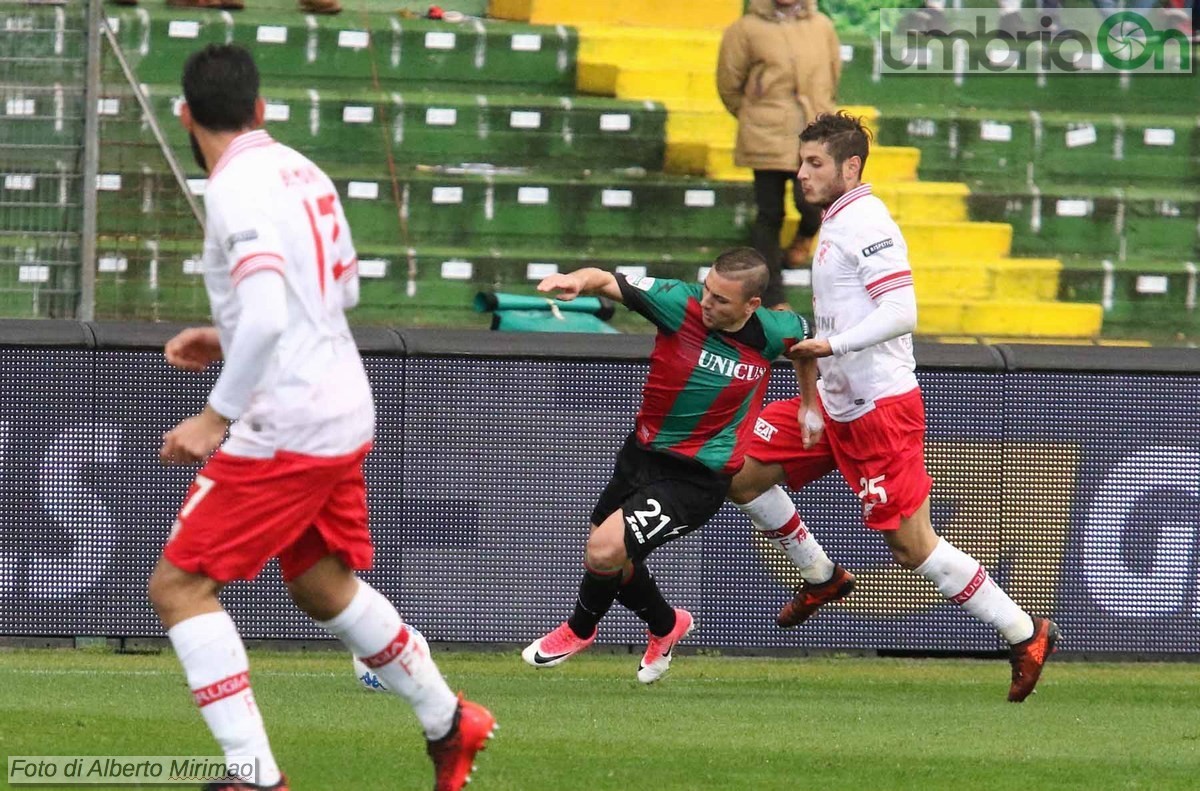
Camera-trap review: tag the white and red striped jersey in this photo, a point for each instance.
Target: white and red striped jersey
(861, 257)
(271, 209)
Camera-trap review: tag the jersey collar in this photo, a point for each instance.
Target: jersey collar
(243, 142)
(847, 198)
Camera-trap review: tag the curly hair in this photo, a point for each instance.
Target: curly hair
(843, 135)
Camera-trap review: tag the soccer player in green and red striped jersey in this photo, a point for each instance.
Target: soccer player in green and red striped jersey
(708, 375)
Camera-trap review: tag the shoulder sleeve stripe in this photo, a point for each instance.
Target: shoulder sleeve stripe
(887, 278)
(252, 269)
(253, 258)
(891, 285)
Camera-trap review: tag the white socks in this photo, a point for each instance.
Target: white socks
(373, 630)
(774, 515)
(961, 579)
(957, 576)
(214, 660)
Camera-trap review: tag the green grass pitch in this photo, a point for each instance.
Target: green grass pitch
(719, 723)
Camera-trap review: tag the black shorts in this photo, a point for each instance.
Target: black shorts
(662, 497)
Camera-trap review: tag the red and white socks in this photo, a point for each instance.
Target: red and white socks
(962, 580)
(774, 516)
(214, 660)
(373, 630)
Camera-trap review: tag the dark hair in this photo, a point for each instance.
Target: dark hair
(747, 265)
(220, 85)
(843, 135)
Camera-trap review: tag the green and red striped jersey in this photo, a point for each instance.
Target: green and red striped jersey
(705, 387)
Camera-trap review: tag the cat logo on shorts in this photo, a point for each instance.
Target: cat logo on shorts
(764, 430)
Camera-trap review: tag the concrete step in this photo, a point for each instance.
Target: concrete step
(885, 164)
(698, 121)
(688, 14)
(948, 279)
(1009, 319)
(650, 47)
(914, 200)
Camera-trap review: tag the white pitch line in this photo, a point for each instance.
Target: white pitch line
(99, 672)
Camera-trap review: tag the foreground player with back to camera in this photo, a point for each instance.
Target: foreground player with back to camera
(280, 270)
(874, 417)
(708, 374)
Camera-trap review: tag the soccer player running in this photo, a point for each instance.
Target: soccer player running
(280, 270)
(708, 374)
(874, 418)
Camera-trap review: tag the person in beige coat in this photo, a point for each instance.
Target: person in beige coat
(778, 68)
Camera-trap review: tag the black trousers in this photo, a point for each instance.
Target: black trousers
(769, 189)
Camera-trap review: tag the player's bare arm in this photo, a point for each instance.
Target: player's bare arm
(195, 438)
(194, 348)
(810, 349)
(812, 422)
(589, 281)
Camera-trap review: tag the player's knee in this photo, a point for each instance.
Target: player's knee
(907, 558)
(158, 591)
(742, 490)
(314, 607)
(168, 593)
(320, 604)
(605, 553)
(912, 553)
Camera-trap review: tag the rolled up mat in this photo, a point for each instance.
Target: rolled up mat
(490, 301)
(546, 321)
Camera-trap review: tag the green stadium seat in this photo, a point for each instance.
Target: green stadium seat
(1136, 294)
(981, 146)
(1087, 220)
(380, 50)
(863, 82)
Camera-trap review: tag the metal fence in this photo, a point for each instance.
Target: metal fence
(43, 65)
(91, 201)
(148, 223)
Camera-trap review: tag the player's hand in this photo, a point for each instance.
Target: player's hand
(567, 286)
(813, 347)
(194, 439)
(812, 426)
(193, 349)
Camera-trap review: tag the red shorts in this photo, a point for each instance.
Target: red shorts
(881, 454)
(241, 512)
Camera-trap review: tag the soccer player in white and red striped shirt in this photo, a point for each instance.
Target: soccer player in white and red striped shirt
(280, 270)
(870, 422)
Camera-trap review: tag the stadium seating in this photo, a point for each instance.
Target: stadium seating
(486, 153)
(967, 283)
